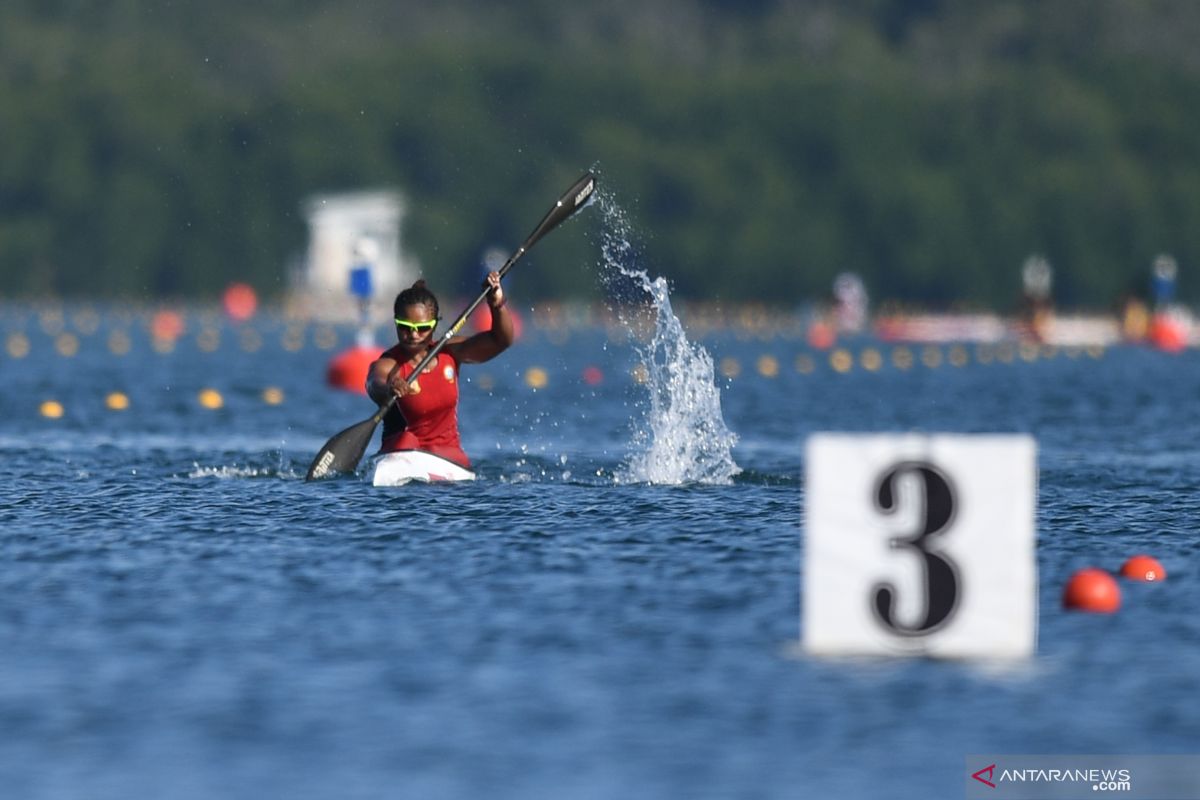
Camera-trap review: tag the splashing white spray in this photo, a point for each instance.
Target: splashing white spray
(683, 438)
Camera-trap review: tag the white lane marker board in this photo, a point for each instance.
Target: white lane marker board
(920, 545)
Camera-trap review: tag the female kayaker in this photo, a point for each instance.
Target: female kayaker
(425, 415)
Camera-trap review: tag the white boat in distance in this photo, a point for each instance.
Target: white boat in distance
(405, 466)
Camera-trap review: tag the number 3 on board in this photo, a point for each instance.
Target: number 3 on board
(920, 545)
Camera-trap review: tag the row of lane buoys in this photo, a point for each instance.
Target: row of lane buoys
(1096, 590)
(348, 370)
(207, 398)
(167, 331)
(904, 357)
(173, 326)
(533, 377)
(1169, 329)
(120, 341)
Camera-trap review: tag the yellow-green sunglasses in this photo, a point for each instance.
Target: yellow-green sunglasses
(417, 326)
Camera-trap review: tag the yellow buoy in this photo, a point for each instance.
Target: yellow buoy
(871, 359)
(730, 367)
(52, 321)
(293, 340)
(272, 395)
(768, 366)
(841, 360)
(87, 321)
(326, 338)
(210, 398)
(536, 378)
(18, 345)
(119, 343)
(67, 344)
(51, 409)
(209, 340)
(117, 401)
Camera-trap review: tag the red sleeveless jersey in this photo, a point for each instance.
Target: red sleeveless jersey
(426, 420)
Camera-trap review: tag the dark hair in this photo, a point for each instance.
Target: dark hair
(416, 295)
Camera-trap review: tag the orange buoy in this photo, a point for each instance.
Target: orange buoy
(348, 369)
(1143, 568)
(1092, 590)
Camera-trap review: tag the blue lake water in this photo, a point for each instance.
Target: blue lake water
(182, 616)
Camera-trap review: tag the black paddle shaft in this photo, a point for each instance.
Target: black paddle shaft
(343, 452)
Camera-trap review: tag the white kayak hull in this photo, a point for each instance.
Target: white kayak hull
(405, 466)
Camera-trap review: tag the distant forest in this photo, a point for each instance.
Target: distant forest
(154, 149)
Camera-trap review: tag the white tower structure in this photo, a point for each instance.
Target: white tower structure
(343, 229)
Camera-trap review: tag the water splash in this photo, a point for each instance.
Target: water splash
(231, 472)
(683, 437)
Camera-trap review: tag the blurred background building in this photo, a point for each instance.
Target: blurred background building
(354, 264)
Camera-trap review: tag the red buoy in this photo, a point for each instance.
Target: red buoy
(1092, 590)
(1168, 333)
(821, 335)
(1143, 568)
(240, 301)
(348, 369)
(167, 325)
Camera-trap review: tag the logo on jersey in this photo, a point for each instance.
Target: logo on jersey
(448, 371)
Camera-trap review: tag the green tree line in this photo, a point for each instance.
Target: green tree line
(156, 149)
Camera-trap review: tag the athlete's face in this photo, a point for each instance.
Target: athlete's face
(415, 327)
